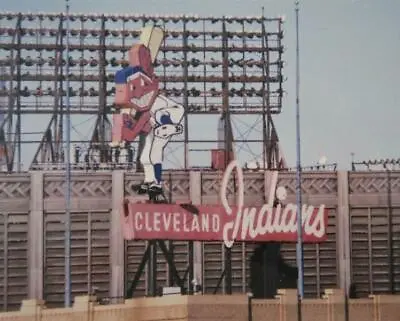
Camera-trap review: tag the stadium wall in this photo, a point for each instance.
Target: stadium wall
(332, 307)
(363, 246)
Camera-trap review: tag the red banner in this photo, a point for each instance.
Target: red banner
(225, 222)
(213, 223)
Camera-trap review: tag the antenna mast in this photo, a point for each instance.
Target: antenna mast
(299, 245)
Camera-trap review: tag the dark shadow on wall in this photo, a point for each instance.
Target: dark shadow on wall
(269, 271)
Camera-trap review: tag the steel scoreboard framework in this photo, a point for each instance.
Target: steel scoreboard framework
(230, 67)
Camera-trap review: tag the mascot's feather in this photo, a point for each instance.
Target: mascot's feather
(152, 37)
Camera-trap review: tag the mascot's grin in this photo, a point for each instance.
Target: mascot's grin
(143, 90)
(144, 101)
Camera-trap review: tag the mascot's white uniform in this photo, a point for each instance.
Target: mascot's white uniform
(166, 118)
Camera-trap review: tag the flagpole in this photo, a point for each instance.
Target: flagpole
(299, 245)
(67, 298)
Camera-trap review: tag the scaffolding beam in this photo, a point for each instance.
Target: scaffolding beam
(200, 58)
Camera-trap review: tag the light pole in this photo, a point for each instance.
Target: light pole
(299, 245)
(67, 252)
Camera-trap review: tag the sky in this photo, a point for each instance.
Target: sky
(349, 67)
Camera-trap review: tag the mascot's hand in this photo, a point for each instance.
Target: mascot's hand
(153, 122)
(166, 131)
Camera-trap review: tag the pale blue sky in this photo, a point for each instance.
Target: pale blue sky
(350, 52)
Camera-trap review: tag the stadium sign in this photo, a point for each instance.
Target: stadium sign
(224, 222)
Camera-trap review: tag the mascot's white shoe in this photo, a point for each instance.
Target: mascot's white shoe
(151, 188)
(155, 188)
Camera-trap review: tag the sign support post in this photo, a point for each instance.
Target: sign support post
(299, 245)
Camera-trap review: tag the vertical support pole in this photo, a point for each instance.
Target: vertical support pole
(89, 253)
(58, 115)
(185, 93)
(249, 307)
(228, 139)
(204, 66)
(244, 68)
(152, 269)
(82, 65)
(390, 234)
(171, 247)
(280, 64)
(18, 124)
(228, 270)
(117, 254)
(35, 238)
(102, 92)
(299, 245)
(370, 253)
(164, 66)
(10, 111)
(195, 197)
(13, 98)
(343, 231)
(5, 261)
(228, 144)
(67, 299)
(141, 143)
(267, 159)
(191, 279)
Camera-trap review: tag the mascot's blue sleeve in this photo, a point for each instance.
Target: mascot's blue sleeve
(121, 76)
(165, 119)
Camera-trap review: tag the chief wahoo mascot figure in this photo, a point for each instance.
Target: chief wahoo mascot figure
(143, 111)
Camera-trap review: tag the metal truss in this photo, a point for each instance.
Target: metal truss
(224, 66)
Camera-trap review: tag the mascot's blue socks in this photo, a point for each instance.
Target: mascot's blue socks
(158, 172)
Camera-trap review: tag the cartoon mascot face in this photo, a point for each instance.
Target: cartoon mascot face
(137, 85)
(143, 91)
